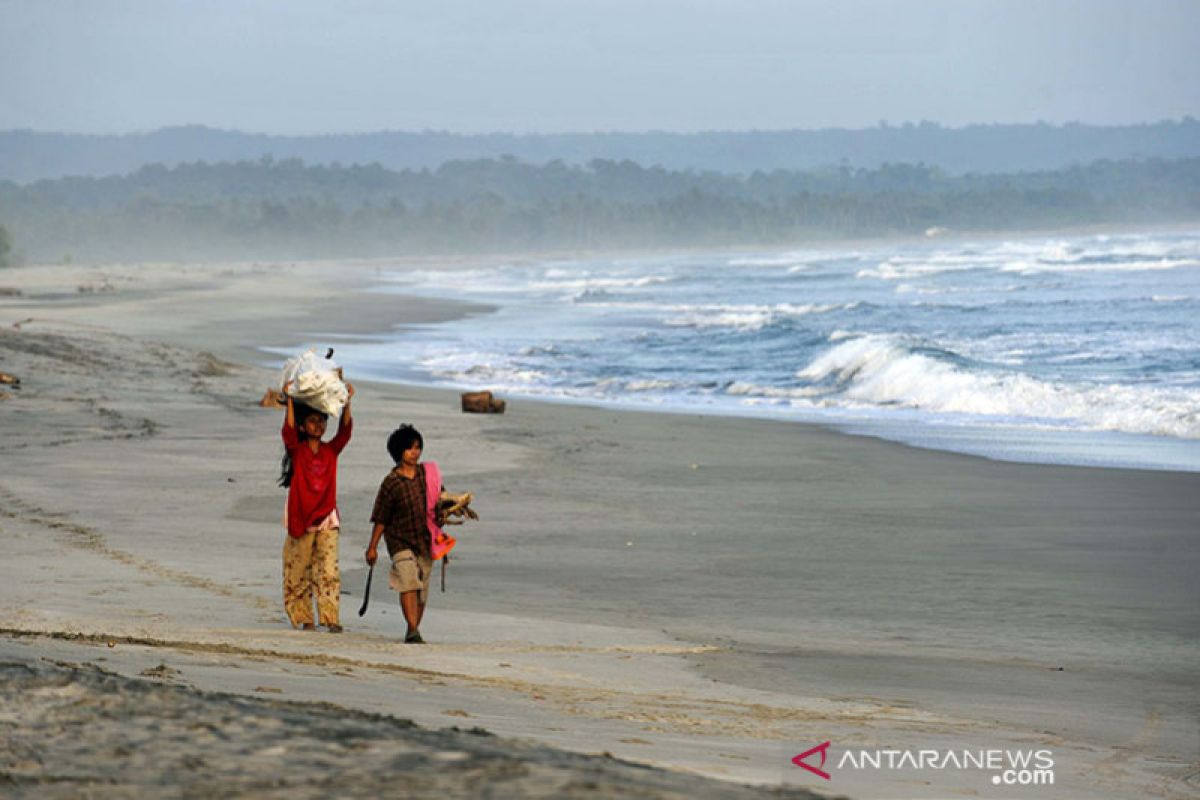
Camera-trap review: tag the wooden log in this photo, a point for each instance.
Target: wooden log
(481, 403)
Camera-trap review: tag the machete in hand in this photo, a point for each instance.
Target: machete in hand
(367, 591)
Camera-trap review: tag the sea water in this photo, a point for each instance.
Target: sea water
(1055, 349)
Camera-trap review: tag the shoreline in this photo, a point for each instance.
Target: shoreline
(616, 550)
(1025, 442)
(857, 428)
(433, 260)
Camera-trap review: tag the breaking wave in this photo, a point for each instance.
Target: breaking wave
(1049, 335)
(748, 317)
(885, 371)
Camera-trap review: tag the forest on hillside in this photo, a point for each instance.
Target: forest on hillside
(270, 208)
(27, 156)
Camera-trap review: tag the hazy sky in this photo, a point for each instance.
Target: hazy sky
(313, 66)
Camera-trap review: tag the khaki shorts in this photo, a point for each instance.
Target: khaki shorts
(411, 573)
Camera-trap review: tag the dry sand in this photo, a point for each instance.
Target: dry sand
(712, 596)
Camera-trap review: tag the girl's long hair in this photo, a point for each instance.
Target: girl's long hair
(287, 469)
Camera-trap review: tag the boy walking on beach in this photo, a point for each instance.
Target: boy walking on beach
(404, 515)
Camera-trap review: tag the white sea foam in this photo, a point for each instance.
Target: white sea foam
(454, 360)
(747, 317)
(908, 288)
(895, 269)
(650, 385)
(585, 283)
(508, 280)
(1035, 267)
(766, 261)
(541, 349)
(490, 374)
(753, 390)
(475, 368)
(794, 260)
(1096, 254)
(884, 371)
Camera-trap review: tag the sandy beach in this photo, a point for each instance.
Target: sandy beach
(707, 596)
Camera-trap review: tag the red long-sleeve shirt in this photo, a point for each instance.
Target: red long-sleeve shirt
(312, 495)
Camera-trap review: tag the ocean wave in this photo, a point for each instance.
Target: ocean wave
(515, 279)
(747, 317)
(797, 260)
(541, 350)
(889, 371)
(593, 296)
(908, 288)
(1099, 247)
(490, 374)
(895, 269)
(1023, 267)
(649, 385)
(585, 283)
(1095, 254)
(755, 391)
(616, 386)
(765, 261)
(476, 367)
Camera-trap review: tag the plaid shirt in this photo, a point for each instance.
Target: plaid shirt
(400, 508)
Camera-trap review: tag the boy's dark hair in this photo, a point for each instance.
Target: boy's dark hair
(301, 413)
(403, 438)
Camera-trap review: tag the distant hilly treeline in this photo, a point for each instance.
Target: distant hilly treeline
(284, 208)
(27, 156)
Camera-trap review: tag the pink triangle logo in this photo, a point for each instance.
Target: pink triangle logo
(799, 760)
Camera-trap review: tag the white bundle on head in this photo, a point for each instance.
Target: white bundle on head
(316, 382)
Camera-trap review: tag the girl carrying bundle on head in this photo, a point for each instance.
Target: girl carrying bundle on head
(310, 551)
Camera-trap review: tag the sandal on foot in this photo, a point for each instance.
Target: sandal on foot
(334, 628)
(414, 638)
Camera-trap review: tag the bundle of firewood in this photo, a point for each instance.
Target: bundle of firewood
(454, 509)
(273, 398)
(8, 380)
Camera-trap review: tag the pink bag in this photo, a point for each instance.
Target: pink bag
(442, 542)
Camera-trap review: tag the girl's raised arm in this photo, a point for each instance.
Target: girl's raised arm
(346, 408)
(291, 438)
(342, 437)
(291, 410)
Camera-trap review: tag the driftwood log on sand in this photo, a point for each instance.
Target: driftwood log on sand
(481, 403)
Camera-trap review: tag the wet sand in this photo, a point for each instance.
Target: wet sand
(160, 738)
(710, 595)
